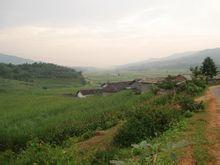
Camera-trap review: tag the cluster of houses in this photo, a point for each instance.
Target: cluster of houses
(138, 85)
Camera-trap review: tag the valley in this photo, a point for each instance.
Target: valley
(43, 121)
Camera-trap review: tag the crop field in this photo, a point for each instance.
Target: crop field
(42, 122)
(105, 76)
(27, 112)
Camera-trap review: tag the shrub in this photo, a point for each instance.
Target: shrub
(102, 157)
(162, 100)
(200, 82)
(38, 152)
(154, 89)
(87, 135)
(196, 86)
(193, 89)
(188, 104)
(167, 85)
(142, 125)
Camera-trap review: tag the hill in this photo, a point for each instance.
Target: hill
(13, 59)
(39, 70)
(175, 61)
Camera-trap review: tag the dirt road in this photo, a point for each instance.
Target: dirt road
(213, 128)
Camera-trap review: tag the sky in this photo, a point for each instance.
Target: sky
(103, 33)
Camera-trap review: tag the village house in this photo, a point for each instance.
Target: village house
(141, 86)
(155, 80)
(179, 79)
(116, 86)
(88, 92)
(138, 85)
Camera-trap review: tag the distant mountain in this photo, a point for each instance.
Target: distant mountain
(87, 68)
(175, 61)
(13, 59)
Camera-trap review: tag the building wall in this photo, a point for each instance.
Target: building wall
(80, 95)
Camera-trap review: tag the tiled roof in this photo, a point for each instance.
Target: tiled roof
(90, 91)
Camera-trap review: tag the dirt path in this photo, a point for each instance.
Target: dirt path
(212, 97)
(100, 141)
(213, 128)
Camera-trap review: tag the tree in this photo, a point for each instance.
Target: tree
(196, 72)
(208, 68)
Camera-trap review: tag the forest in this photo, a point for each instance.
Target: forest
(28, 72)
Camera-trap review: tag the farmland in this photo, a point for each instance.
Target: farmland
(29, 111)
(43, 122)
(42, 116)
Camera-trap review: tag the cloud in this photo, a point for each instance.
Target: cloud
(80, 32)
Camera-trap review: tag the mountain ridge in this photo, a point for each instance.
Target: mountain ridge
(178, 60)
(5, 58)
(182, 60)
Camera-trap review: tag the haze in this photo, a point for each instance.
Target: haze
(106, 32)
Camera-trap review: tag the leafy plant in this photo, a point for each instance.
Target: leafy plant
(145, 124)
(188, 104)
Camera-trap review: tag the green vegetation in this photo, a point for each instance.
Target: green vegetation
(147, 121)
(28, 72)
(41, 122)
(52, 117)
(164, 149)
(208, 68)
(114, 76)
(207, 71)
(200, 151)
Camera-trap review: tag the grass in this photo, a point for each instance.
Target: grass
(200, 148)
(45, 126)
(168, 143)
(172, 147)
(28, 111)
(105, 76)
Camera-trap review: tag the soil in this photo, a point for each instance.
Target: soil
(212, 97)
(213, 128)
(188, 157)
(100, 141)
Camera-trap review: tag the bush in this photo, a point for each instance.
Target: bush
(167, 85)
(200, 83)
(38, 152)
(193, 89)
(143, 125)
(154, 89)
(162, 100)
(196, 87)
(102, 157)
(87, 135)
(188, 104)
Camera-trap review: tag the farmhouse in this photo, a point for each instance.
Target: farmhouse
(141, 86)
(88, 92)
(116, 86)
(151, 80)
(179, 79)
(138, 85)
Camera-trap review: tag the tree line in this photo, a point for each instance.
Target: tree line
(27, 72)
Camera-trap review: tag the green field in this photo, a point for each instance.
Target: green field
(29, 111)
(114, 76)
(42, 122)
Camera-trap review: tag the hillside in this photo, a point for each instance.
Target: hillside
(13, 59)
(38, 70)
(175, 61)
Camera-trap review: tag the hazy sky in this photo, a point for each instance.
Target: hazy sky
(106, 32)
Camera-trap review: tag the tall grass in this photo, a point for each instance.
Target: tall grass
(48, 115)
